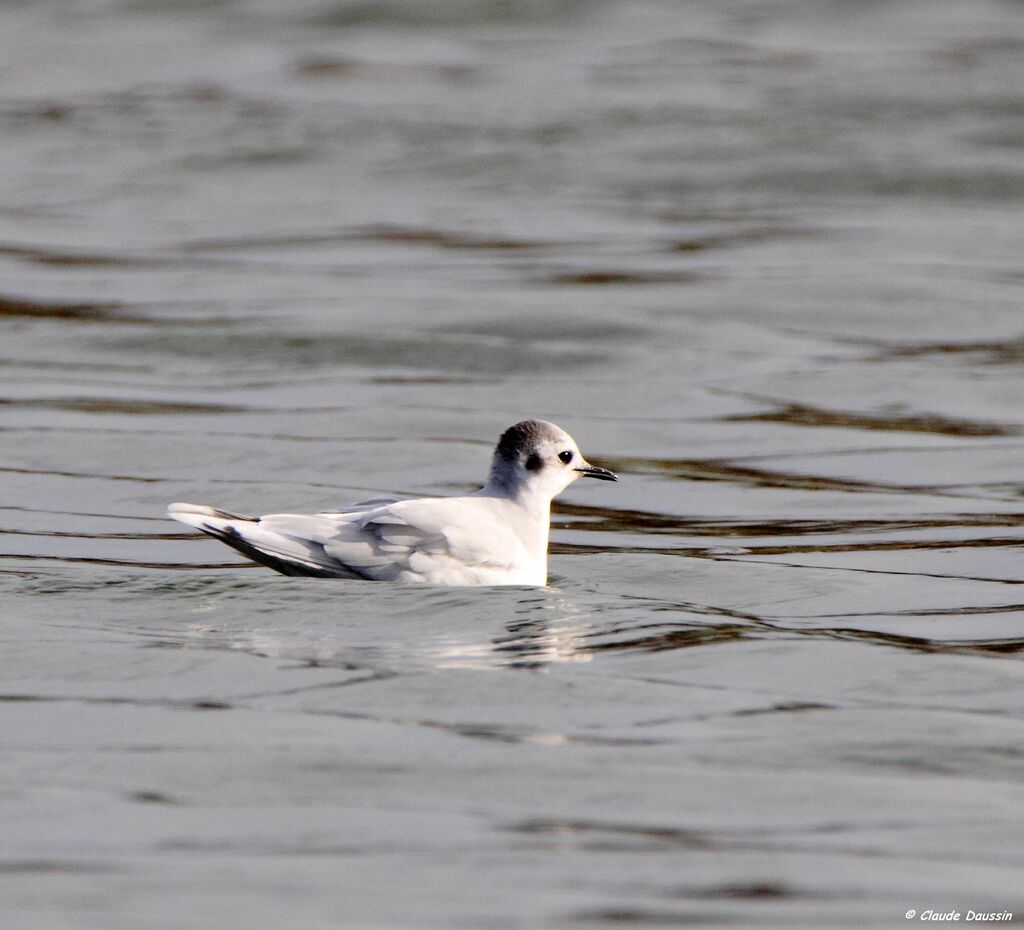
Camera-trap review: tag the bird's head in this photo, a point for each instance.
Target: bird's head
(540, 459)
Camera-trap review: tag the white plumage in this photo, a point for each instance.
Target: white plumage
(497, 536)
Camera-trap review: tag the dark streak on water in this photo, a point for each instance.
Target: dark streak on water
(891, 421)
(762, 259)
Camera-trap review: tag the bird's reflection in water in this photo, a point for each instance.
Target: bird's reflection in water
(547, 630)
(526, 628)
(545, 627)
(539, 642)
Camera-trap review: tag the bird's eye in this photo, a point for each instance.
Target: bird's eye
(565, 457)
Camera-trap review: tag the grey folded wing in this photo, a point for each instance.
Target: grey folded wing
(445, 541)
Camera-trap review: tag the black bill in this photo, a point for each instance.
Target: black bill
(592, 471)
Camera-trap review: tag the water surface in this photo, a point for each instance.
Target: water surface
(763, 259)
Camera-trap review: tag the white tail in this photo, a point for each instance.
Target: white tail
(285, 553)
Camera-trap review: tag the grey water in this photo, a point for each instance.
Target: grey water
(762, 258)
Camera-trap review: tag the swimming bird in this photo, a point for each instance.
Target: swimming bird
(496, 536)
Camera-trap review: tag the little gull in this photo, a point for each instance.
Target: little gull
(497, 536)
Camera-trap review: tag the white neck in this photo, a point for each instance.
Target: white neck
(510, 486)
(506, 482)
